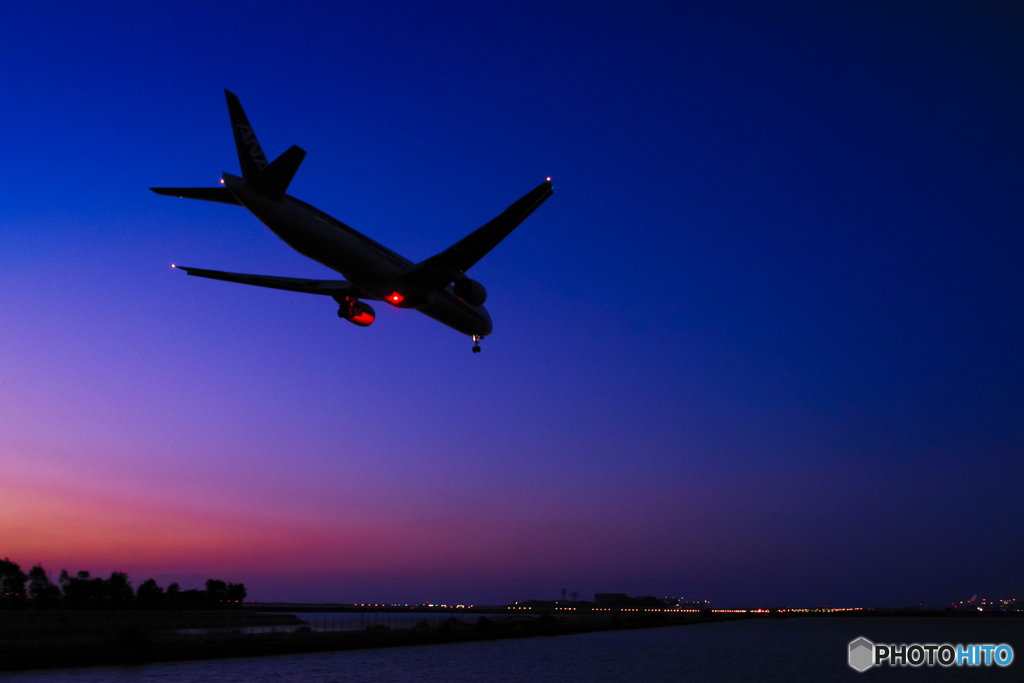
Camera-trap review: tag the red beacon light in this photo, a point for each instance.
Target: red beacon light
(396, 298)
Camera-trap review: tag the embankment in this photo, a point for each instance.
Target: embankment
(131, 642)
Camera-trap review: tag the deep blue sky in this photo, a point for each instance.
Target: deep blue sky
(762, 345)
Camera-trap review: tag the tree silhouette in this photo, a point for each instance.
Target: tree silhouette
(84, 591)
(44, 594)
(149, 595)
(216, 592)
(173, 597)
(81, 591)
(117, 590)
(236, 592)
(12, 584)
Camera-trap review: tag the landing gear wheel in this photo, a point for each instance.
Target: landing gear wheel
(476, 349)
(476, 343)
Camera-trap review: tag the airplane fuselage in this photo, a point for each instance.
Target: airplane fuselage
(371, 268)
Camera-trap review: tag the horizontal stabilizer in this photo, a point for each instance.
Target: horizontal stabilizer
(273, 181)
(209, 194)
(440, 270)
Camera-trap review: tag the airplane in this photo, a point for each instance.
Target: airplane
(437, 287)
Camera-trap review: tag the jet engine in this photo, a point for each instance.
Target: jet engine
(470, 291)
(357, 312)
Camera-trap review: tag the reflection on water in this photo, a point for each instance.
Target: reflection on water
(805, 649)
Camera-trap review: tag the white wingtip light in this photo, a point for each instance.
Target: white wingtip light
(549, 179)
(173, 266)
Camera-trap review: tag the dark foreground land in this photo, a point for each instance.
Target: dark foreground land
(84, 639)
(56, 639)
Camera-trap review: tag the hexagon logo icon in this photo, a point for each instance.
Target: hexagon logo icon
(862, 654)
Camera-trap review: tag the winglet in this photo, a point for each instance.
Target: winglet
(250, 154)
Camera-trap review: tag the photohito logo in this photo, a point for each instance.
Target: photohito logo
(863, 654)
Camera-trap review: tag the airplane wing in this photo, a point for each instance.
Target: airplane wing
(438, 271)
(291, 284)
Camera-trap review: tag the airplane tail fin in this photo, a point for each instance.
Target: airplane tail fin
(271, 179)
(250, 154)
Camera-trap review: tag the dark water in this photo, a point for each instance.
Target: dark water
(805, 649)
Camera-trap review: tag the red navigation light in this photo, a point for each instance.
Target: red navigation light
(549, 180)
(396, 298)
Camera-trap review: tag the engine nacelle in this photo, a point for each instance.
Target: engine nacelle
(357, 312)
(470, 291)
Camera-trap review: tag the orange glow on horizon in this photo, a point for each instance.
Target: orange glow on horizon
(78, 525)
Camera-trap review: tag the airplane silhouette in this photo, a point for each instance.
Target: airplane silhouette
(437, 287)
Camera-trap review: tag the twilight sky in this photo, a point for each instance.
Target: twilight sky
(763, 345)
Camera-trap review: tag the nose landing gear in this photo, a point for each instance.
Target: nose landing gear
(476, 343)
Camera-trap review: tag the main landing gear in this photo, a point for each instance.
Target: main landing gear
(476, 343)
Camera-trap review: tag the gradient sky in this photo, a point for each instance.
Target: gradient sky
(763, 345)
